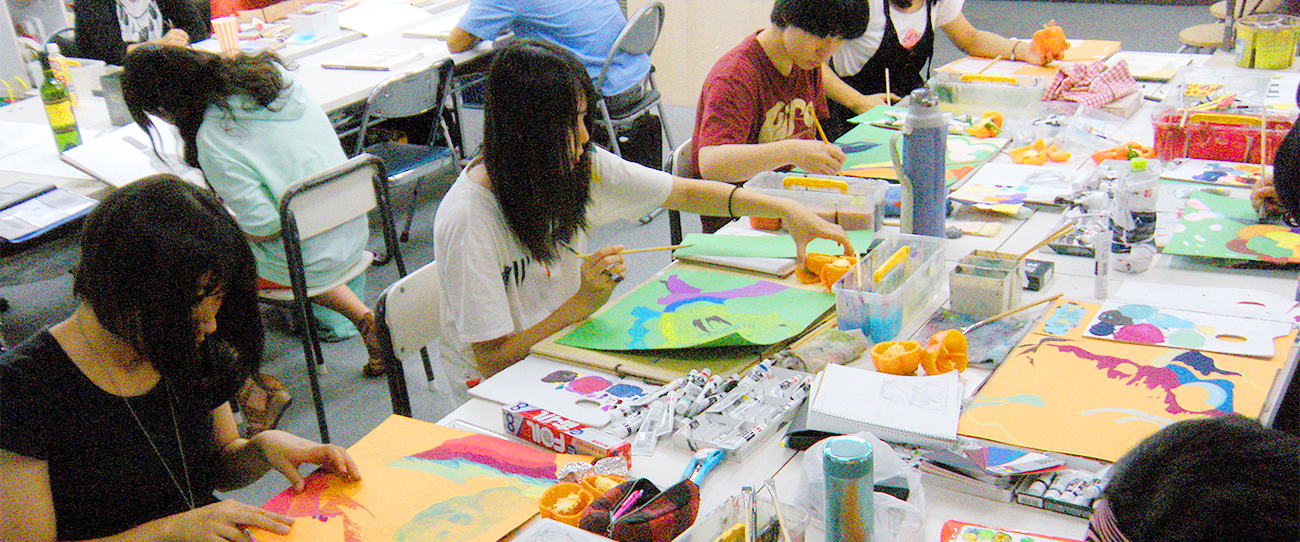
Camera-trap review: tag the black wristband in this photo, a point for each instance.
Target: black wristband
(730, 196)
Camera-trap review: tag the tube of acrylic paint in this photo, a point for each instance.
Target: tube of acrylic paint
(1101, 263)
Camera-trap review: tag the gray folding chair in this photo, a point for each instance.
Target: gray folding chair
(310, 207)
(680, 164)
(407, 314)
(407, 95)
(638, 37)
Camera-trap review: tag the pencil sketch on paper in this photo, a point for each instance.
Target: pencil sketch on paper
(549, 530)
(916, 393)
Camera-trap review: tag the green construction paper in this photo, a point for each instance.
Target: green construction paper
(965, 153)
(691, 309)
(764, 246)
(1216, 226)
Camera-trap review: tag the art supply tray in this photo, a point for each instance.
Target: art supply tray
(852, 202)
(904, 291)
(765, 401)
(1234, 137)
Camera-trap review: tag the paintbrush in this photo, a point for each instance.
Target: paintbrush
(995, 60)
(1002, 315)
(820, 132)
(1049, 239)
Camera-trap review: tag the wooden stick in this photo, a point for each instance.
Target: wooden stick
(995, 60)
(636, 250)
(888, 100)
(1002, 315)
(1049, 239)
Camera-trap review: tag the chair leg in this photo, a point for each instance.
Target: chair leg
(410, 214)
(428, 367)
(313, 356)
(663, 124)
(675, 227)
(609, 128)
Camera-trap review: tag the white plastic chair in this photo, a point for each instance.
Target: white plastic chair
(407, 314)
(312, 206)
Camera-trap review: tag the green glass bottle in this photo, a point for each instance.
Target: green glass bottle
(58, 107)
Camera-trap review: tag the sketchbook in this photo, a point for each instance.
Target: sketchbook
(41, 213)
(920, 410)
(126, 154)
(372, 59)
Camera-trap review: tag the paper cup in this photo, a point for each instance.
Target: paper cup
(227, 31)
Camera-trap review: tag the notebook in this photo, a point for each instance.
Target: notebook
(124, 155)
(920, 410)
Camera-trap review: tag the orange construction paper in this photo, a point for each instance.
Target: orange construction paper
(421, 481)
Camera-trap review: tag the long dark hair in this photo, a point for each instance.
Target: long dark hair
(150, 253)
(179, 84)
(533, 92)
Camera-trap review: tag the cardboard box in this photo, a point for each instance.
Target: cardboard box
(559, 434)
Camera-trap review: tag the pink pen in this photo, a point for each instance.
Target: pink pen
(626, 506)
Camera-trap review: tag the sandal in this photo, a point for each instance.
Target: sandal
(370, 334)
(263, 399)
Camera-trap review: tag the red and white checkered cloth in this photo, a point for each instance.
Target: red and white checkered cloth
(1093, 84)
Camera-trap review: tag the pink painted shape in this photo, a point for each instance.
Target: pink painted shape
(588, 384)
(681, 291)
(1140, 333)
(505, 456)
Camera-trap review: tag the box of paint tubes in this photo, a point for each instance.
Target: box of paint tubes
(745, 411)
(1066, 491)
(559, 434)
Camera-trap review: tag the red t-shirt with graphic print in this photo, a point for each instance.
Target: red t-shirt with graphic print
(746, 100)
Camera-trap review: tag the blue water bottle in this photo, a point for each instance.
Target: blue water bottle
(921, 168)
(850, 489)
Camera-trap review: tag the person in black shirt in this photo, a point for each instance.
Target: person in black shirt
(115, 421)
(108, 29)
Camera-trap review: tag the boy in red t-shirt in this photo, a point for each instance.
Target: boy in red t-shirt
(760, 103)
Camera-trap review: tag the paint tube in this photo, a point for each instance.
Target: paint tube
(734, 395)
(624, 426)
(702, 401)
(784, 389)
(650, 397)
(695, 383)
(648, 436)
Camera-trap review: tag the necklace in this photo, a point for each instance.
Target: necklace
(186, 496)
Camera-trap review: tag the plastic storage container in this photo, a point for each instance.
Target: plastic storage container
(1180, 133)
(879, 308)
(851, 202)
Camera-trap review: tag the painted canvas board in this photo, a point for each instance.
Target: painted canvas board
(581, 394)
(698, 308)
(1099, 398)
(1004, 188)
(1223, 227)
(965, 153)
(1142, 323)
(1213, 172)
(422, 482)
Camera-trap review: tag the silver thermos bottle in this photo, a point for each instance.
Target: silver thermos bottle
(850, 485)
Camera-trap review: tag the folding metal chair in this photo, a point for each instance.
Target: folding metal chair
(638, 37)
(310, 207)
(407, 314)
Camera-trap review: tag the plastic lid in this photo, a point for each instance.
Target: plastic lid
(846, 457)
(1138, 164)
(52, 48)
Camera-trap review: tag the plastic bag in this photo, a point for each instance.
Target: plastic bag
(896, 520)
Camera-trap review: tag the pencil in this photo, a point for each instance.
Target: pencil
(820, 132)
(888, 99)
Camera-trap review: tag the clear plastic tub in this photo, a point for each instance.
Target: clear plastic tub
(851, 202)
(880, 308)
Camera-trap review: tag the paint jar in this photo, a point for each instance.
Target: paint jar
(1266, 41)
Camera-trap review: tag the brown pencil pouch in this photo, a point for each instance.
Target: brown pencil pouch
(655, 517)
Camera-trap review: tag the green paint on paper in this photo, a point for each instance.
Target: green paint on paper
(764, 246)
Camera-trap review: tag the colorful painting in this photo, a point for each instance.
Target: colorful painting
(689, 308)
(578, 393)
(422, 482)
(1213, 172)
(1098, 398)
(1223, 227)
(1140, 323)
(965, 153)
(1004, 188)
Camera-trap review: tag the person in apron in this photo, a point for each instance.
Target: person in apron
(856, 85)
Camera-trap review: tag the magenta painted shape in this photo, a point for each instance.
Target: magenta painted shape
(588, 384)
(1143, 333)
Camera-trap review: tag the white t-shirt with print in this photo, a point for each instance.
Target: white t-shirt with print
(139, 20)
(853, 54)
(490, 286)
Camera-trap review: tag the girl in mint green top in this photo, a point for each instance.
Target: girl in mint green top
(253, 131)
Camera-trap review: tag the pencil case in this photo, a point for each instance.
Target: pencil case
(655, 517)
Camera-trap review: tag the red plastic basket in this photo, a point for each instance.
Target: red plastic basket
(1218, 136)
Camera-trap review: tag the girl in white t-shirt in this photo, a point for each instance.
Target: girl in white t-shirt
(901, 39)
(509, 232)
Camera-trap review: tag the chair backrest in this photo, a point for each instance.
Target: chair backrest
(66, 37)
(409, 309)
(639, 35)
(680, 163)
(318, 203)
(409, 94)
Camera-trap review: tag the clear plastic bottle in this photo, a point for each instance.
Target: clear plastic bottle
(1133, 216)
(850, 489)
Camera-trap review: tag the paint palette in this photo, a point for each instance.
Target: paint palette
(578, 393)
(1140, 323)
(960, 531)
